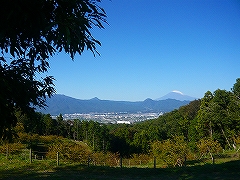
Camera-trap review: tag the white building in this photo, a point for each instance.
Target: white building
(123, 122)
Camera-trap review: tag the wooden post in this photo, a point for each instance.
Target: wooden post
(185, 161)
(120, 161)
(7, 152)
(212, 157)
(154, 162)
(30, 155)
(213, 160)
(93, 142)
(88, 161)
(57, 158)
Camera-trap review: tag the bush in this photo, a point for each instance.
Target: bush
(106, 159)
(69, 151)
(12, 148)
(208, 146)
(30, 140)
(139, 159)
(171, 151)
(51, 139)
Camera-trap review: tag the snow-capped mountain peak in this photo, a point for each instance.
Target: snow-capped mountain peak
(178, 95)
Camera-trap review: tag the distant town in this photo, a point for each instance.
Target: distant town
(112, 117)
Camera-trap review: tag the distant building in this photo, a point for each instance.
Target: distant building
(123, 122)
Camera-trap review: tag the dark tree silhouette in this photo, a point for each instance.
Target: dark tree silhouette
(31, 31)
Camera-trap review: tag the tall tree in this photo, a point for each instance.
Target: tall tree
(49, 124)
(31, 32)
(60, 126)
(32, 123)
(188, 114)
(218, 117)
(236, 88)
(205, 116)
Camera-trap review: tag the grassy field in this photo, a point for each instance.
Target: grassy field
(47, 169)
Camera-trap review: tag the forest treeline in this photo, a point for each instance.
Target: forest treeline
(204, 126)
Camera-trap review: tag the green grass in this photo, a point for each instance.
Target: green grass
(16, 168)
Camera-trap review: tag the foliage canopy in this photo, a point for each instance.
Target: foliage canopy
(31, 32)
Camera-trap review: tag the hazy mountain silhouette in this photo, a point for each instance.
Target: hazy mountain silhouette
(176, 95)
(68, 105)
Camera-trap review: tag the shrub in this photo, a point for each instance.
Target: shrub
(69, 151)
(106, 159)
(29, 139)
(208, 146)
(171, 151)
(12, 148)
(139, 159)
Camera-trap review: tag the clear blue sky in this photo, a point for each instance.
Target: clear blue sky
(152, 47)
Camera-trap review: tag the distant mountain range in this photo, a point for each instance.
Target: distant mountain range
(68, 105)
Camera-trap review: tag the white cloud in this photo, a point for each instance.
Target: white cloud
(176, 91)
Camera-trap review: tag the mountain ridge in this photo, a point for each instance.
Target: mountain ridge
(63, 104)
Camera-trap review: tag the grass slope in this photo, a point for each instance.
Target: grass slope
(19, 169)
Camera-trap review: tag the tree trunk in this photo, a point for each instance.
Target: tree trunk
(225, 136)
(211, 131)
(212, 157)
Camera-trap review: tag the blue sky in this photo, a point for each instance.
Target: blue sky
(152, 47)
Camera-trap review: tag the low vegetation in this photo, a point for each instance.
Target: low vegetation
(202, 134)
(17, 168)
